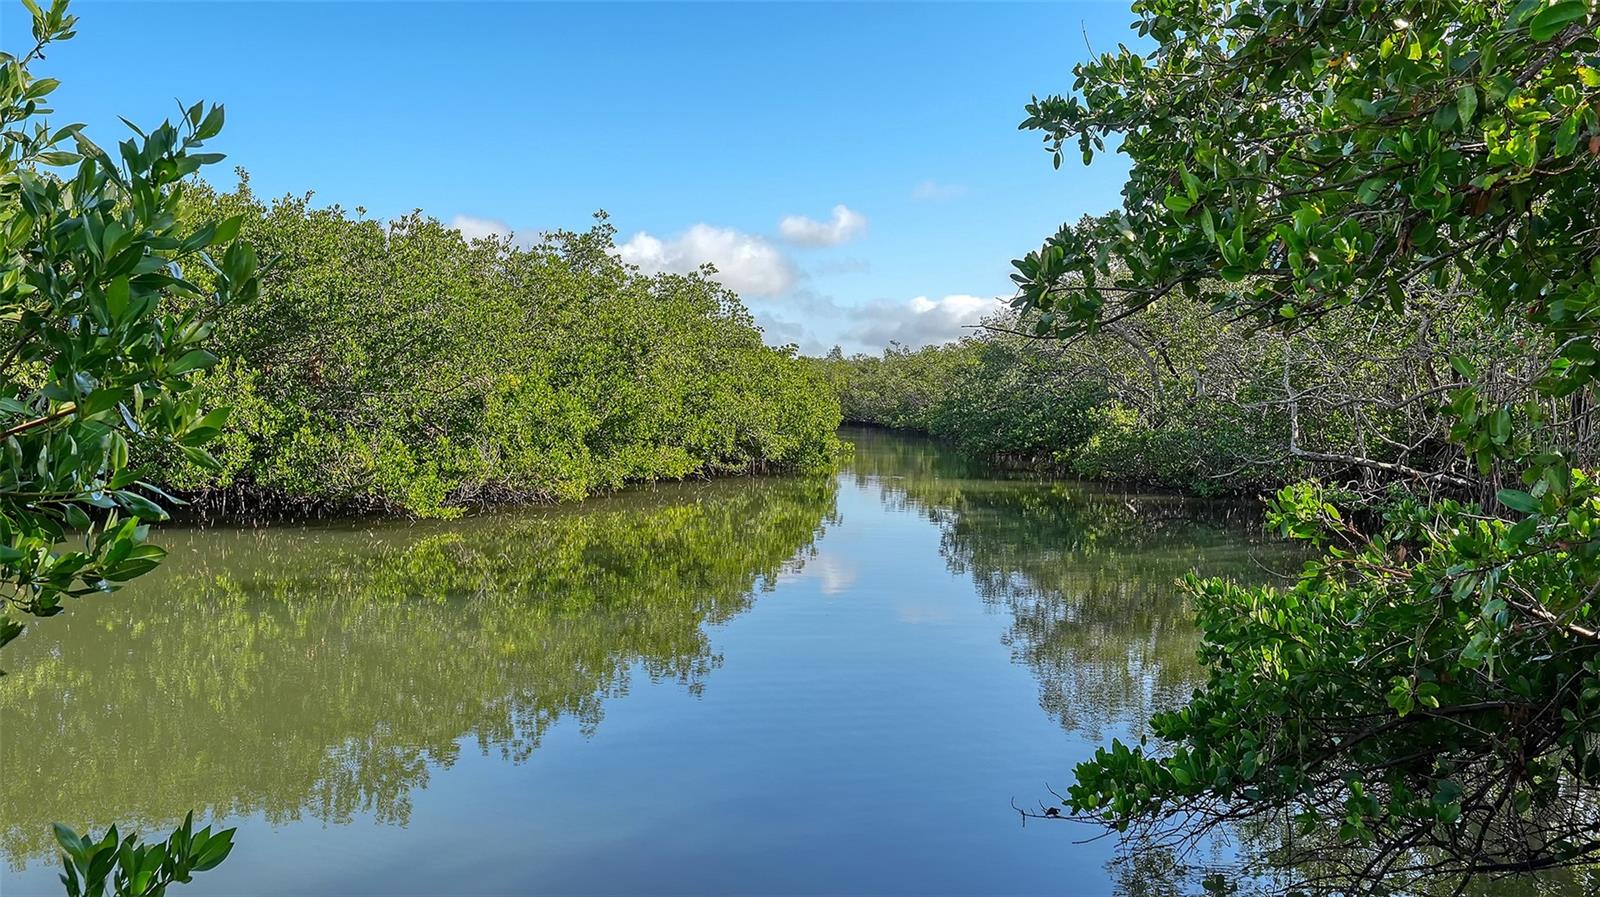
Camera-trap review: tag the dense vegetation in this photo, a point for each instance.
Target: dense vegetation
(97, 356)
(401, 367)
(106, 330)
(1358, 243)
(1186, 397)
(1422, 707)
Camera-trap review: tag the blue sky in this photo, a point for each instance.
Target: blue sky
(884, 133)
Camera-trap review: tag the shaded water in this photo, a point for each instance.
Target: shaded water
(826, 685)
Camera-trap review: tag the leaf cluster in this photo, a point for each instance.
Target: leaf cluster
(1425, 697)
(108, 295)
(109, 867)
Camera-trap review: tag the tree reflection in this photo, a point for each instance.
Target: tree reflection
(1088, 574)
(321, 672)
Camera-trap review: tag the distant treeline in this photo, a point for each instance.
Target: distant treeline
(400, 366)
(1184, 397)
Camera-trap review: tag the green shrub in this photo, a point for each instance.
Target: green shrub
(401, 367)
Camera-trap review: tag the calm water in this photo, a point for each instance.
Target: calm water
(831, 685)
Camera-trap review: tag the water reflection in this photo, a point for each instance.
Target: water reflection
(1086, 573)
(1087, 576)
(322, 672)
(862, 729)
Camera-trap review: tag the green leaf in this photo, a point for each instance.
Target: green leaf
(193, 360)
(1500, 426)
(1466, 103)
(141, 507)
(1567, 137)
(227, 230)
(69, 841)
(216, 850)
(1552, 20)
(212, 124)
(58, 158)
(1445, 117)
(1518, 500)
(1521, 532)
(1400, 697)
(216, 418)
(1463, 367)
(117, 298)
(200, 457)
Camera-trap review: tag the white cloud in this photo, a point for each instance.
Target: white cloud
(933, 190)
(745, 263)
(846, 224)
(473, 228)
(922, 321)
(816, 322)
(833, 575)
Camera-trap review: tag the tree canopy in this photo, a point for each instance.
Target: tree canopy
(1425, 702)
(108, 301)
(398, 366)
(96, 256)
